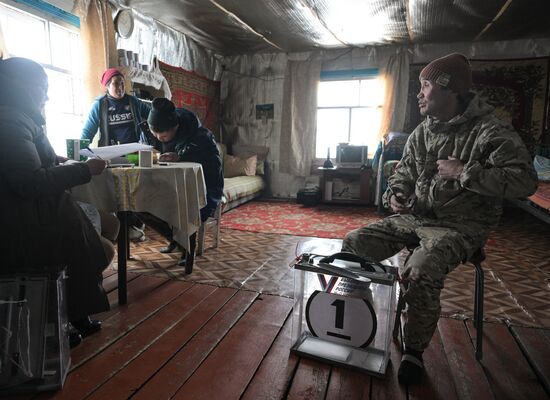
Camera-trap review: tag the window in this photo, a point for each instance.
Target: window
(349, 110)
(57, 49)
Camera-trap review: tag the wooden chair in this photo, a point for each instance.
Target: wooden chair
(210, 222)
(477, 258)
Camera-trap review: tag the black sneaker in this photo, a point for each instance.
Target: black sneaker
(74, 339)
(87, 326)
(411, 368)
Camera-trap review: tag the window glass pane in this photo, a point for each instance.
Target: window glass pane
(332, 128)
(372, 92)
(365, 124)
(60, 92)
(60, 40)
(25, 36)
(338, 94)
(61, 127)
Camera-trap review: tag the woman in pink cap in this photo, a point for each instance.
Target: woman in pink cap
(116, 114)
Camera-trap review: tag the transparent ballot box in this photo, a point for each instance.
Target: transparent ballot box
(344, 311)
(34, 345)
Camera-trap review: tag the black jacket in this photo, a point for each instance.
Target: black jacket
(195, 143)
(42, 226)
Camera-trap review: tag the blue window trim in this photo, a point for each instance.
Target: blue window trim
(53, 11)
(367, 73)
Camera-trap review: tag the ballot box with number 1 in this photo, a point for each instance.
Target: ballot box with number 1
(344, 311)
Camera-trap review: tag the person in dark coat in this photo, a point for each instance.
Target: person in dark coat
(42, 226)
(179, 136)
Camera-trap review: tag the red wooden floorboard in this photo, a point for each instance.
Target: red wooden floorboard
(273, 377)
(139, 286)
(348, 384)
(310, 381)
(110, 283)
(128, 316)
(388, 388)
(501, 353)
(190, 341)
(234, 361)
(176, 372)
(88, 377)
(128, 380)
(437, 382)
(535, 344)
(468, 375)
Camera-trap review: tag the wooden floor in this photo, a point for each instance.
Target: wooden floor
(185, 340)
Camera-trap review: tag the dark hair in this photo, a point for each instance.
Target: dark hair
(162, 115)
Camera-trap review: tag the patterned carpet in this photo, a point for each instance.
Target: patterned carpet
(517, 269)
(321, 221)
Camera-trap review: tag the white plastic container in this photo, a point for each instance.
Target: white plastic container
(344, 314)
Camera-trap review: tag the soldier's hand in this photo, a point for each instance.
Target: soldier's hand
(400, 203)
(96, 165)
(450, 169)
(169, 157)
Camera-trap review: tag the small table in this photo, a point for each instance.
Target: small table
(173, 193)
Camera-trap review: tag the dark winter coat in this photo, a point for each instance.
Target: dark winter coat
(41, 224)
(194, 143)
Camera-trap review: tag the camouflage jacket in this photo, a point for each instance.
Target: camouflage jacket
(496, 166)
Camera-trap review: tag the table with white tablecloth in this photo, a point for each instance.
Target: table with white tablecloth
(174, 193)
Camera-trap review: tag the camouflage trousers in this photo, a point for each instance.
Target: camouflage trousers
(439, 246)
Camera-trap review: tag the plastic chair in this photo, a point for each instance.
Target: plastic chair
(477, 258)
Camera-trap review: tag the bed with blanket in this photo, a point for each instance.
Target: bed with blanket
(244, 174)
(539, 203)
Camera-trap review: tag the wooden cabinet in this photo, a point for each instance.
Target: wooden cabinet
(346, 185)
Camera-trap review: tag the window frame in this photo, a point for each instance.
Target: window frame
(346, 75)
(54, 18)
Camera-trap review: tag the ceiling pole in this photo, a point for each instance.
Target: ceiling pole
(244, 24)
(408, 19)
(504, 7)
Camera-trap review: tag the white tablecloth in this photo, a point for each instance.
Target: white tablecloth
(173, 193)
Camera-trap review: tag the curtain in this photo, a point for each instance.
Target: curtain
(97, 33)
(3, 49)
(396, 81)
(299, 117)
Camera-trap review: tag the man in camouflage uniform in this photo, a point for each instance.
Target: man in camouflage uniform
(457, 167)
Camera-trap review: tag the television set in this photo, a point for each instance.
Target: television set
(350, 156)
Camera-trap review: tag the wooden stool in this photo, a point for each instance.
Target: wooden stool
(214, 222)
(476, 259)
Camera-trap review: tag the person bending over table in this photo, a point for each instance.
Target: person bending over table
(179, 136)
(42, 225)
(447, 192)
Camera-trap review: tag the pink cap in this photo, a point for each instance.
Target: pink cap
(108, 74)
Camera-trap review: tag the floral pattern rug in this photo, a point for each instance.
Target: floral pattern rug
(322, 221)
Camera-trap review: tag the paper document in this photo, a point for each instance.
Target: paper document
(110, 152)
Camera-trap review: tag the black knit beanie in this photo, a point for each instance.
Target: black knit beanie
(452, 71)
(162, 115)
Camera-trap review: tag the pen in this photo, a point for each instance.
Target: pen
(91, 151)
